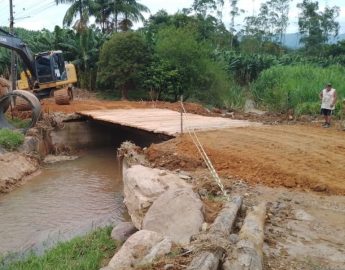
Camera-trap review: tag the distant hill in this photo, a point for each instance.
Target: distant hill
(292, 40)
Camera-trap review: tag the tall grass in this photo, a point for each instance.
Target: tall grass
(297, 87)
(89, 252)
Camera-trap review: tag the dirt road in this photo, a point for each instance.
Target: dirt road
(295, 156)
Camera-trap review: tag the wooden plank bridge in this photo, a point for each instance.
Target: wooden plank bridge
(163, 121)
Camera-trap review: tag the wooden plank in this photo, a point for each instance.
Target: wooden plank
(162, 120)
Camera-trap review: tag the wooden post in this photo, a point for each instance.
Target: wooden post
(13, 55)
(181, 114)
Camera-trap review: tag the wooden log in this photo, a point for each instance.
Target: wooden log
(226, 218)
(248, 254)
(207, 260)
(63, 96)
(220, 229)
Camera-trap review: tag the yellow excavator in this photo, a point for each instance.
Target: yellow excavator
(45, 74)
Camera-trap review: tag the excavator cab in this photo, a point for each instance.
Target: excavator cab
(50, 67)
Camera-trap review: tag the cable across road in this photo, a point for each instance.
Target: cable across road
(202, 152)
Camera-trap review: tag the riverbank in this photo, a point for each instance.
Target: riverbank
(88, 252)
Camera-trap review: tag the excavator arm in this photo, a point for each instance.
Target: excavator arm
(14, 43)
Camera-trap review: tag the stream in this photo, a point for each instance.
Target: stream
(65, 200)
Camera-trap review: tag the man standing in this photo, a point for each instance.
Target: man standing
(328, 97)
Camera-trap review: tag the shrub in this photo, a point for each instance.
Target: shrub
(122, 59)
(10, 140)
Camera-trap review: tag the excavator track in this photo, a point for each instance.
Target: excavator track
(63, 96)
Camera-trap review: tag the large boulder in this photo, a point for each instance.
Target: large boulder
(177, 213)
(142, 186)
(140, 249)
(122, 231)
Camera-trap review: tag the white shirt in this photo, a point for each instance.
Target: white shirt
(328, 99)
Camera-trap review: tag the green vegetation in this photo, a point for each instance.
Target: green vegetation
(296, 87)
(19, 123)
(122, 59)
(194, 54)
(10, 140)
(89, 252)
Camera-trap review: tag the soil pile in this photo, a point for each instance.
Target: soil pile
(292, 156)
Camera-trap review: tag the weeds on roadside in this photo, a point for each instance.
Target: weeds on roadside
(282, 88)
(10, 140)
(89, 252)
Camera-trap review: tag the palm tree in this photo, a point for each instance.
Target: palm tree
(81, 8)
(102, 11)
(132, 12)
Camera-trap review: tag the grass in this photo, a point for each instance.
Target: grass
(281, 88)
(19, 123)
(90, 252)
(10, 140)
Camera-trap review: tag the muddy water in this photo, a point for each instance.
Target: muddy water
(66, 199)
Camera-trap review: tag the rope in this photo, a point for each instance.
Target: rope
(202, 152)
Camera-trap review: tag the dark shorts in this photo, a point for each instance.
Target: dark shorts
(326, 112)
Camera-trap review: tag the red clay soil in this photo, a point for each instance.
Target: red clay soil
(49, 106)
(295, 156)
(306, 157)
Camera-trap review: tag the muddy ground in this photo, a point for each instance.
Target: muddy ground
(296, 166)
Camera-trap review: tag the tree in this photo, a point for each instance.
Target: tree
(198, 75)
(132, 12)
(207, 29)
(81, 8)
(122, 60)
(271, 22)
(316, 27)
(129, 11)
(102, 12)
(162, 81)
(203, 7)
(281, 17)
(235, 11)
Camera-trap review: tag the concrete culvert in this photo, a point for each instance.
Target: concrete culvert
(23, 97)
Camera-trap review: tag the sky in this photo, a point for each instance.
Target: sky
(38, 14)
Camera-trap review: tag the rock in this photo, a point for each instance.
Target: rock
(30, 145)
(177, 213)
(50, 159)
(234, 238)
(289, 183)
(141, 248)
(107, 268)
(122, 231)
(2, 151)
(204, 227)
(169, 267)
(185, 177)
(142, 186)
(320, 188)
(303, 215)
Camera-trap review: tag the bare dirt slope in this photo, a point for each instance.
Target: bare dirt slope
(89, 104)
(296, 156)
